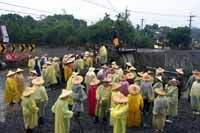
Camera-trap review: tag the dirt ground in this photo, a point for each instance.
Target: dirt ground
(13, 123)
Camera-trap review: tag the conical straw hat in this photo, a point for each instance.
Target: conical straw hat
(134, 89)
(10, 73)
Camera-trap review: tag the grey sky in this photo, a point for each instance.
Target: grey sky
(91, 13)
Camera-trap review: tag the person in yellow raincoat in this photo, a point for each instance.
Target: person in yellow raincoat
(119, 113)
(56, 65)
(62, 113)
(103, 55)
(115, 89)
(30, 110)
(19, 77)
(103, 95)
(50, 75)
(69, 87)
(11, 93)
(79, 64)
(90, 75)
(135, 106)
(159, 110)
(172, 98)
(32, 75)
(40, 97)
(31, 63)
(195, 94)
(88, 58)
(68, 68)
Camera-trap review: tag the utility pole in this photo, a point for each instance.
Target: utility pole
(142, 23)
(127, 14)
(190, 27)
(190, 21)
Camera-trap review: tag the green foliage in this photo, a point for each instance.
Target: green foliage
(65, 30)
(179, 38)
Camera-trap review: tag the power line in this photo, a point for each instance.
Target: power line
(97, 4)
(111, 5)
(25, 7)
(14, 11)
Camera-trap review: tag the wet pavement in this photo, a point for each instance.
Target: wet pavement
(12, 122)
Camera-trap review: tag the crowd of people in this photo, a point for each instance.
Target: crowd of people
(122, 97)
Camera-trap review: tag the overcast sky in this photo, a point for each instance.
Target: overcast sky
(164, 12)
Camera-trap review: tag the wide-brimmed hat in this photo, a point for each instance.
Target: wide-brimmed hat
(140, 74)
(130, 75)
(180, 71)
(28, 91)
(160, 70)
(123, 77)
(19, 70)
(86, 53)
(38, 81)
(65, 93)
(77, 79)
(33, 72)
(10, 73)
(114, 63)
(146, 77)
(173, 81)
(94, 82)
(132, 68)
(70, 60)
(129, 64)
(115, 86)
(105, 66)
(160, 91)
(134, 89)
(91, 69)
(56, 59)
(120, 98)
(159, 78)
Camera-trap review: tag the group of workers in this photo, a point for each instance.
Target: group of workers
(122, 97)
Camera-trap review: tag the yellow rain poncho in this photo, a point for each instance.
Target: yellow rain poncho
(135, 105)
(159, 112)
(57, 70)
(31, 64)
(41, 98)
(50, 76)
(88, 61)
(172, 98)
(113, 104)
(195, 96)
(62, 116)
(103, 55)
(30, 112)
(103, 95)
(119, 115)
(11, 91)
(19, 77)
(80, 65)
(68, 70)
(69, 87)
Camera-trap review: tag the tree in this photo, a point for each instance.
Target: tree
(179, 38)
